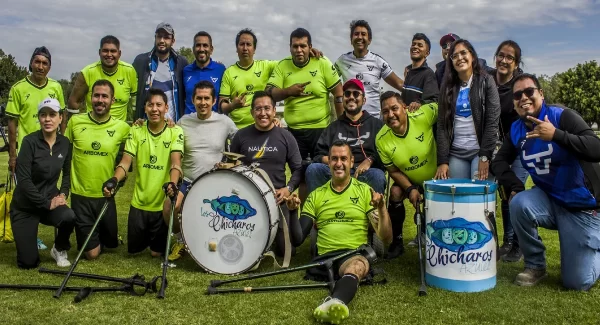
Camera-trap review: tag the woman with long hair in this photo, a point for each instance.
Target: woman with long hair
(469, 111)
(508, 60)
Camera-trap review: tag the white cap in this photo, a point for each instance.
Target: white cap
(51, 103)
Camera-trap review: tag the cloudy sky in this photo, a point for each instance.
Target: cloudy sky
(554, 34)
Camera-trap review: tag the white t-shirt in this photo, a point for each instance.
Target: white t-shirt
(163, 80)
(204, 142)
(369, 69)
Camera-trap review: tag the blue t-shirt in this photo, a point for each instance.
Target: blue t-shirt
(463, 105)
(192, 74)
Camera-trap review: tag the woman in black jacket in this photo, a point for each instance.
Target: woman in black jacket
(42, 156)
(469, 110)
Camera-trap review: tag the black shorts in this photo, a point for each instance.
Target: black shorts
(320, 273)
(87, 210)
(307, 140)
(146, 229)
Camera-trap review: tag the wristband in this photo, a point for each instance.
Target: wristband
(123, 168)
(410, 188)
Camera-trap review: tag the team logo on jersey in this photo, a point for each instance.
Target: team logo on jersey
(27, 96)
(370, 67)
(384, 66)
(414, 159)
(143, 141)
(421, 137)
(167, 144)
(153, 159)
(258, 74)
(249, 87)
(110, 133)
(538, 160)
(235, 77)
(332, 67)
(359, 76)
(120, 81)
(313, 73)
(181, 136)
(83, 129)
(188, 79)
(354, 199)
(340, 214)
(96, 145)
(53, 96)
(214, 80)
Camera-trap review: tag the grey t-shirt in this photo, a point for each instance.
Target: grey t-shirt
(163, 81)
(465, 143)
(204, 142)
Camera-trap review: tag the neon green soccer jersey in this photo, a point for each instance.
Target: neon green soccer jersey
(238, 80)
(311, 111)
(124, 80)
(23, 100)
(95, 148)
(153, 163)
(341, 217)
(415, 153)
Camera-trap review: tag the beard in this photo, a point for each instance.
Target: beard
(165, 51)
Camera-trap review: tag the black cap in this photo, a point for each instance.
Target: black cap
(43, 51)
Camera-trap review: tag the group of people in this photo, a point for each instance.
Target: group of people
(464, 120)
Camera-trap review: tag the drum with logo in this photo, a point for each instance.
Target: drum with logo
(461, 249)
(229, 220)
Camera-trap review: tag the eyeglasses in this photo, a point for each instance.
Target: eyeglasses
(446, 46)
(459, 55)
(260, 109)
(354, 93)
(527, 91)
(508, 58)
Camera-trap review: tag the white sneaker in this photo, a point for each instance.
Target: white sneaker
(60, 257)
(332, 310)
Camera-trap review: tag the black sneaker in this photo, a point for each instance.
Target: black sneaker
(505, 248)
(530, 277)
(396, 249)
(514, 255)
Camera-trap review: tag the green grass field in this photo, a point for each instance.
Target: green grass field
(186, 303)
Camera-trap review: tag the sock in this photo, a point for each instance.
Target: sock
(397, 215)
(345, 288)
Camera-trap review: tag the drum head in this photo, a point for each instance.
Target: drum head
(225, 222)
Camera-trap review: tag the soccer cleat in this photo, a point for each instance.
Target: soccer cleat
(40, 244)
(60, 257)
(177, 251)
(530, 277)
(332, 310)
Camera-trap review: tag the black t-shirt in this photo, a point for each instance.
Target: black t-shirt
(271, 149)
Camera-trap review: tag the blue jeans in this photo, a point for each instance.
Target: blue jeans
(318, 174)
(509, 233)
(578, 233)
(464, 168)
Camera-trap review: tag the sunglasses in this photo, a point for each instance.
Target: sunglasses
(527, 91)
(354, 93)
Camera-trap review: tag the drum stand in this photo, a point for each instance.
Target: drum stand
(364, 250)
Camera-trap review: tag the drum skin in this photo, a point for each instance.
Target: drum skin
(461, 250)
(229, 220)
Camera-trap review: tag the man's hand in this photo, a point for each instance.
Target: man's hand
(292, 202)
(170, 122)
(139, 122)
(277, 122)
(238, 101)
(414, 106)
(170, 189)
(442, 172)
(281, 194)
(57, 201)
(483, 170)
(108, 188)
(297, 90)
(377, 200)
(363, 167)
(414, 197)
(543, 129)
(12, 163)
(315, 53)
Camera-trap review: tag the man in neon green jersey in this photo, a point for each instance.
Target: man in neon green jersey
(96, 138)
(121, 75)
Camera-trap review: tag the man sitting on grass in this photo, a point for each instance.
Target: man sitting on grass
(561, 153)
(342, 210)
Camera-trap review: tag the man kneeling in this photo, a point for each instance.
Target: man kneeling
(341, 209)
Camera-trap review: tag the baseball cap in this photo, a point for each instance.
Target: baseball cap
(51, 103)
(448, 38)
(167, 28)
(354, 82)
(43, 51)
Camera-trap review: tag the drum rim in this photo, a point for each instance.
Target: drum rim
(183, 235)
(434, 186)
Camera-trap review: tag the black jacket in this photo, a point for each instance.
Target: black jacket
(38, 170)
(420, 85)
(441, 66)
(141, 64)
(507, 108)
(486, 122)
(360, 135)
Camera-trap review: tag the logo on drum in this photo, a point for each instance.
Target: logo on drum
(458, 234)
(232, 207)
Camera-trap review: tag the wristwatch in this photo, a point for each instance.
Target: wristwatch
(291, 189)
(483, 158)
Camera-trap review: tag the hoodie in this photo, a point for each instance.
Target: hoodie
(360, 135)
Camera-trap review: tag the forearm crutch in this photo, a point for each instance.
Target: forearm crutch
(165, 264)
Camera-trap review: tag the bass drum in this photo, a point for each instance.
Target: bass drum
(229, 220)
